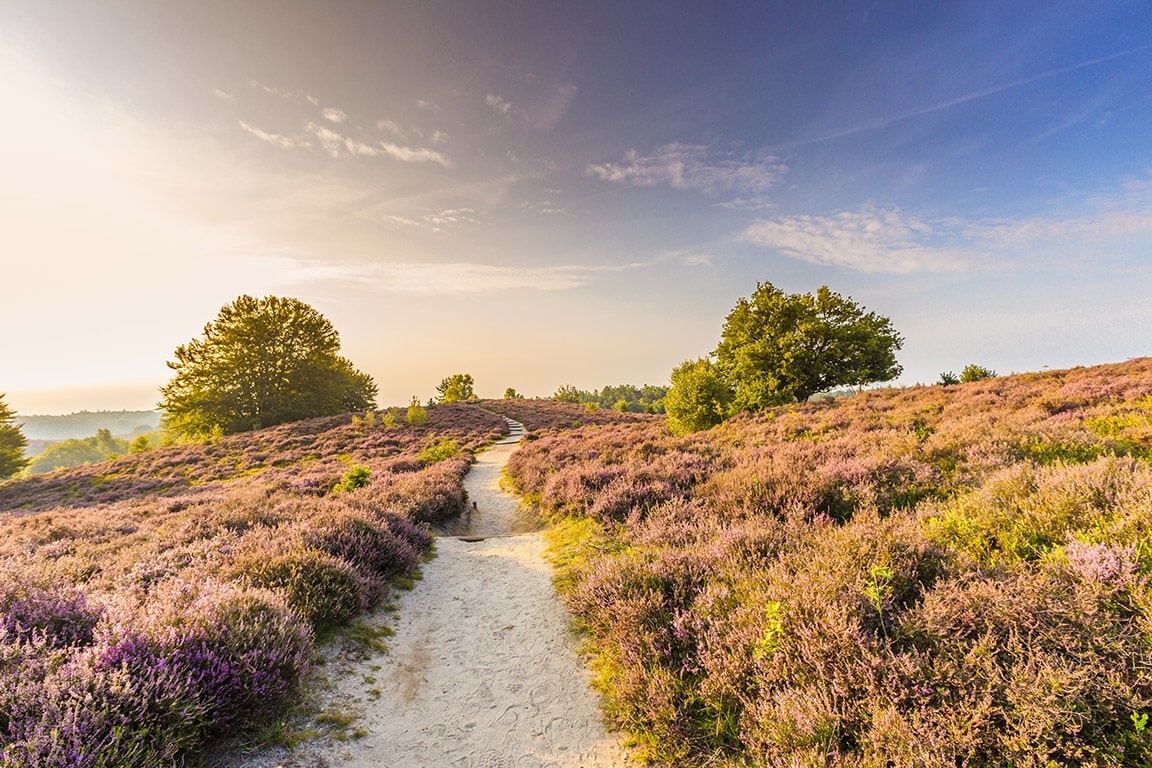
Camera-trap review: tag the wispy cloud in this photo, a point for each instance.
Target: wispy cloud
(441, 220)
(451, 279)
(693, 167)
(284, 93)
(959, 100)
(391, 127)
(438, 221)
(415, 154)
(276, 139)
(873, 239)
(540, 110)
(867, 240)
(546, 113)
(462, 278)
(337, 145)
(498, 104)
(333, 115)
(223, 95)
(454, 278)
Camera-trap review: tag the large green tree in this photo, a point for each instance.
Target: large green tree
(777, 347)
(12, 443)
(698, 398)
(456, 387)
(262, 362)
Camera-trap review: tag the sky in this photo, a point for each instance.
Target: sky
(546, 193)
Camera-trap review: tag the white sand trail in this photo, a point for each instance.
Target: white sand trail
(482, 671)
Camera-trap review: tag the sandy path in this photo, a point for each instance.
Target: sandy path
(482, 671)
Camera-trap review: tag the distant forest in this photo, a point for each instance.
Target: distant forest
(87, 423)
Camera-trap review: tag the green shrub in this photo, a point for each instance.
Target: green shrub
(442, 449)
(417, 415)
(973, 372)
(357, 477)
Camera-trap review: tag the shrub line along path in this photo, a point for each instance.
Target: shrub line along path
(482, 671)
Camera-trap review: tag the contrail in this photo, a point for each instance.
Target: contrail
(992, 91)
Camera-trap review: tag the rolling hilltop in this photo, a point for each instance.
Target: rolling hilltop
(934, 576)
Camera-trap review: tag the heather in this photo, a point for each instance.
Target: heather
(154, 603)
(935, 576)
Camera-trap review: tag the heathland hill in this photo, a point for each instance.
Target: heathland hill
(934, 576)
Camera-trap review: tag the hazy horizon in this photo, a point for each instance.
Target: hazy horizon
(545, 194)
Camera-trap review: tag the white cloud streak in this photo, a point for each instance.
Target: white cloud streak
(276, 139)
(333, 115)
(337, 145)
(692, 167)
(461, 278)
(284, 93)
(455, 278)
(420, 279)
(415, 154)
(867, 240)
(873, 239)
(994, 90)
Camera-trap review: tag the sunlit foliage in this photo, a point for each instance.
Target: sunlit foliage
(973, 372)
(12, 443)
(262, 362)
(74, 453)
(622, 397)
(457, 387)
(698, 398)
(778, 347)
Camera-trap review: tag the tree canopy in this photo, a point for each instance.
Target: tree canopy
(622, 397)
(262, 362)
(698, 398)
(79, 451)
(973, 372)
(12, 443)
(778, 347)
(455, 388)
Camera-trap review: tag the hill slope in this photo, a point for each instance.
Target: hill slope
(937, 576)
(151, 604)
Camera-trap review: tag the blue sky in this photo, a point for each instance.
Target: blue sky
(544, 193)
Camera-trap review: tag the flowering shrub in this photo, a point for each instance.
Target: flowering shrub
(935, 576)
(151, 604)
(60, 616)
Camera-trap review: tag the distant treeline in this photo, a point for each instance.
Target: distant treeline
(87, 423)
(76, 452)
(623, 398)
